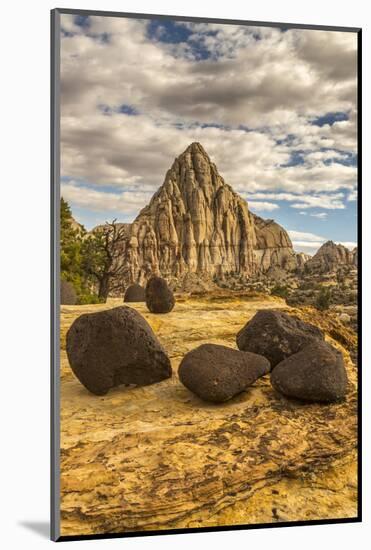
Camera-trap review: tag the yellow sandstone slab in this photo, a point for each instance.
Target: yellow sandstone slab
(157, 457)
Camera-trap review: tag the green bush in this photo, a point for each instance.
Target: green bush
(84, 299)
(323, 299)
(280, 290)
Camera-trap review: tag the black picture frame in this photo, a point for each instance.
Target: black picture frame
(55, 276)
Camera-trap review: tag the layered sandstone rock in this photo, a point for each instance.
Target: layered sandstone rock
(196, 223)
(330, 257)
(301, 259)
(273, 246)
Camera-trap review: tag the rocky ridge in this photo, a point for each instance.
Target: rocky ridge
(330, 257)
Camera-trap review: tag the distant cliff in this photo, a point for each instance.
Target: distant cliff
(330, 257)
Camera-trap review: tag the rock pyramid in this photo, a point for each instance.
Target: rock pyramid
(196, 223)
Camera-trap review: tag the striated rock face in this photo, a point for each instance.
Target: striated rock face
(301, 259)
(196, 223)
(330, 257)
(273, 246)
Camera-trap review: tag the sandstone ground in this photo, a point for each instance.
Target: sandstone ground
(157, 457)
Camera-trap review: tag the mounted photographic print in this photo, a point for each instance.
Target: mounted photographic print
(205, 287)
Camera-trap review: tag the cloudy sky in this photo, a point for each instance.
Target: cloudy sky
(275, 110)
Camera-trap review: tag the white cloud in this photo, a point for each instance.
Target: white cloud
(352, 196)
(310, 242)
(319, 215)
(348, 244)
(102, 201)
(262, 206)
(303, 236)
(273, 84)
(330, 201)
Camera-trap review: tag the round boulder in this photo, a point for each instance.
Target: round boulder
(276, 335)
(135, 293)
(316, 373)
(159, 297)
(113, 347)
(68, 294)
(217, 373)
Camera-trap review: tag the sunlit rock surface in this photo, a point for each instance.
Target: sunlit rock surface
(157, 457)
(196, 223)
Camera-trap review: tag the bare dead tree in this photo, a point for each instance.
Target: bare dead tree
(103, 253)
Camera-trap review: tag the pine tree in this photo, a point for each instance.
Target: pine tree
(71, 259)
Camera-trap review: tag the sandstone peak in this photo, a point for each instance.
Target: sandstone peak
(195, 147)
(196, 223)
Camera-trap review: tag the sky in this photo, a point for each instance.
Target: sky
(275, 109)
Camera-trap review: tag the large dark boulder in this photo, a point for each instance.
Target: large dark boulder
(135, 293)
(159, 297)
(276, 335)
(316, 373)
(113, 347)
(68, 294)
(217, 373)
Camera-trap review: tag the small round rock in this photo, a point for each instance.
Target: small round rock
(135, 293)
(316, 373)
(217, 373)
(276, 335)
(159, 297)
(113, 347)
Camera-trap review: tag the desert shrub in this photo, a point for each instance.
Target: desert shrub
(280, 290)
(323, 299)
(87, 298)
(308, 285)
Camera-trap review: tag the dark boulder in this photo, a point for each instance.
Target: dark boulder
(159, 297)
(113, 347)
(316, 373)
(135, 293)
(68, 293)
(276, 335)
(217, 373)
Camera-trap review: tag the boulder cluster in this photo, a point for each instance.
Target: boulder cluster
(117, 346)
(303, 365)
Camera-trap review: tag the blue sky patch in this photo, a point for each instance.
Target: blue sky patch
(329, 118)
(128, 110)
(171, 32)
(296, 157)
(82, 21)
(168, 32)
(288, 140)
